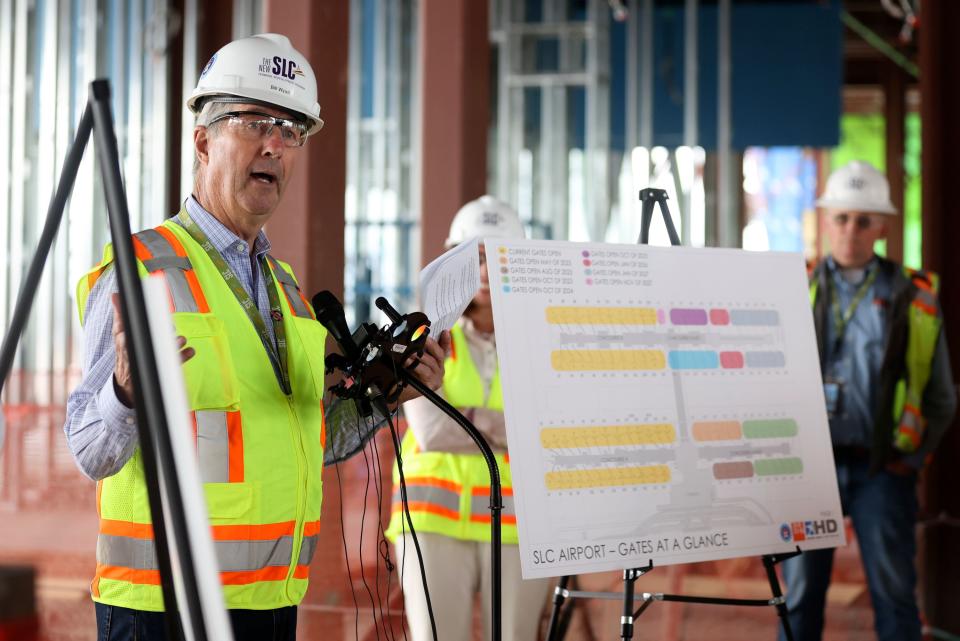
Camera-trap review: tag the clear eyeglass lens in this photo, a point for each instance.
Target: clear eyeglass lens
(292, 133)
(861, 222)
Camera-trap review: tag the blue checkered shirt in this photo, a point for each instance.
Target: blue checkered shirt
(101, 431)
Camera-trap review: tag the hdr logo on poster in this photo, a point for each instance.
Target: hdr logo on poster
(808, 530)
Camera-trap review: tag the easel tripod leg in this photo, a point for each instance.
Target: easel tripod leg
(559, 596)
(626, 619)
(769, 563)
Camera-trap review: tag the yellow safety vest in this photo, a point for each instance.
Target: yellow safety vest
(450, 493)
(260, 451)
(923, 331)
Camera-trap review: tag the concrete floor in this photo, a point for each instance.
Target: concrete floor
(48, 519)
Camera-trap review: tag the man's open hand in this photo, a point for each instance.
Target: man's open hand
(122, 380)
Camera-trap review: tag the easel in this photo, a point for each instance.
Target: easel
(188, 614)
(651, 197)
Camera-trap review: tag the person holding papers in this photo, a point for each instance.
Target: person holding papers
(447, 480)
(890, 397)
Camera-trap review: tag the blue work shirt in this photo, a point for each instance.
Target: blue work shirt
(857, 360)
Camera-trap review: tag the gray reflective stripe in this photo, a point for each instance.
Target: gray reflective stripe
(925, 297)
(296, 303)
(238, 556)
(232, 556)
(282, 275)
(168, 262)
(290, 288)
(430, 494)
(480, 505)
(165, 259)
(213, 446)
(911, 420)
(308, 549)
(156, 243)
(126, 552)
(183, 300)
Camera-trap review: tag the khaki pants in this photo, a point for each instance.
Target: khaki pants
(456, 570)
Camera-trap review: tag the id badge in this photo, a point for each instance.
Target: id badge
(833, 394)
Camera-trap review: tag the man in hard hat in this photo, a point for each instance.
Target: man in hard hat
(253, 365)
(448, 486)
(890, 397)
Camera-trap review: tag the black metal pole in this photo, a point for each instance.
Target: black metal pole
(650, 197)
(151, 419)
(559, 596)
(496, 498)
(28, 290)
(626, 618)
(769, 561)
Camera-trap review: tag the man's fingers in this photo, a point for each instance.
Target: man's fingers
(445, 341)
(435, 349)
(186, 353)
(117, 317)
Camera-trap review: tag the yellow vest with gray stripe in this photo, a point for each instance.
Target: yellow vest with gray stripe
(919, 312)
(260, 451)
(450, 493)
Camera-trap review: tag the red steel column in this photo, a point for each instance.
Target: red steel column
(455, 108)
(895, 108)
(940, 104)
(308, 230)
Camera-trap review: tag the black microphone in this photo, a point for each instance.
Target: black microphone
(384, 305)
(329, 312)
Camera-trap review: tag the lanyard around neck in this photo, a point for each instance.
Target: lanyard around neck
(841, 318)
(276, 351)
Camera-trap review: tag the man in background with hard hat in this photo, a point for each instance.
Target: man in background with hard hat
(890, 397)
(253, 364)
(448, 486)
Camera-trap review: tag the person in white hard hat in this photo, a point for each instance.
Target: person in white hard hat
(447, 482)
(890, 397)
(254, 368)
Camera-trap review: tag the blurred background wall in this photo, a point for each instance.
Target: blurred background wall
(564, 108)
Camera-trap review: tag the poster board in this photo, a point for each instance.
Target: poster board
(662, 404)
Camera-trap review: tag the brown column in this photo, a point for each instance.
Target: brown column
(940, 104)
(308, 230)
(894, 100)
(214, 29)
(455, 104)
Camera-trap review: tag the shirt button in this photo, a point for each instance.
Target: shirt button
(241, 248)
(129, 420)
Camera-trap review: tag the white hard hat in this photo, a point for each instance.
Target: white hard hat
(263, 69)
(858, 186)
(485, 216)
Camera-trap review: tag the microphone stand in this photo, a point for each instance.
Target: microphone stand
(496, 497)
(381, 354)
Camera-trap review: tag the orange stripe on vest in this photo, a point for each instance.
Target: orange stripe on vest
(429, 508)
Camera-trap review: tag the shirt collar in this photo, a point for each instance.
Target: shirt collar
(470, 330)
(835, 271)
(220, 237)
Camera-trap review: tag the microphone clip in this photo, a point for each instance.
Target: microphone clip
(382, 353)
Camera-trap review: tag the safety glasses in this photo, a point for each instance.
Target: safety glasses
(256, 126)
(862, 222)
